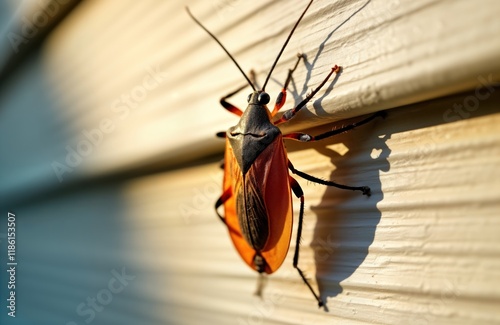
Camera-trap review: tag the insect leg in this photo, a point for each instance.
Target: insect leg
(364, 189)
(303, 137)
(220, 201)
(297, 190)
(230, 107)
(281, 99)
(291, 113)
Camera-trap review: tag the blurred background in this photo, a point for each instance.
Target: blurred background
(108, 160)
(85, 111)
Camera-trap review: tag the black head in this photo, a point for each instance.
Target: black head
(258, 98)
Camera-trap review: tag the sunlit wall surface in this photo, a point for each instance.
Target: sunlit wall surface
(109, 167)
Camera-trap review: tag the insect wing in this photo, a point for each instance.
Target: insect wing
(270, 172)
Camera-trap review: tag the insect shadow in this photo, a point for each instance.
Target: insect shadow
(346, 221)
(309, 64)
(341, 244)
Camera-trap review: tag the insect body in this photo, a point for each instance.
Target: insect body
(257, 186)
(258, 208)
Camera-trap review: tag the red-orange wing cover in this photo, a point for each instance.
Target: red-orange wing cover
(270, 170)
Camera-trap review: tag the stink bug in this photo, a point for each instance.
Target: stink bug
(257, 186)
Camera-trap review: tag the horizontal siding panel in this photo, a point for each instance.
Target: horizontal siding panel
(149, 80)
(423, 249)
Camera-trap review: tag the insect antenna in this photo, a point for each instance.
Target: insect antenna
(225, 50)
(284, 45)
